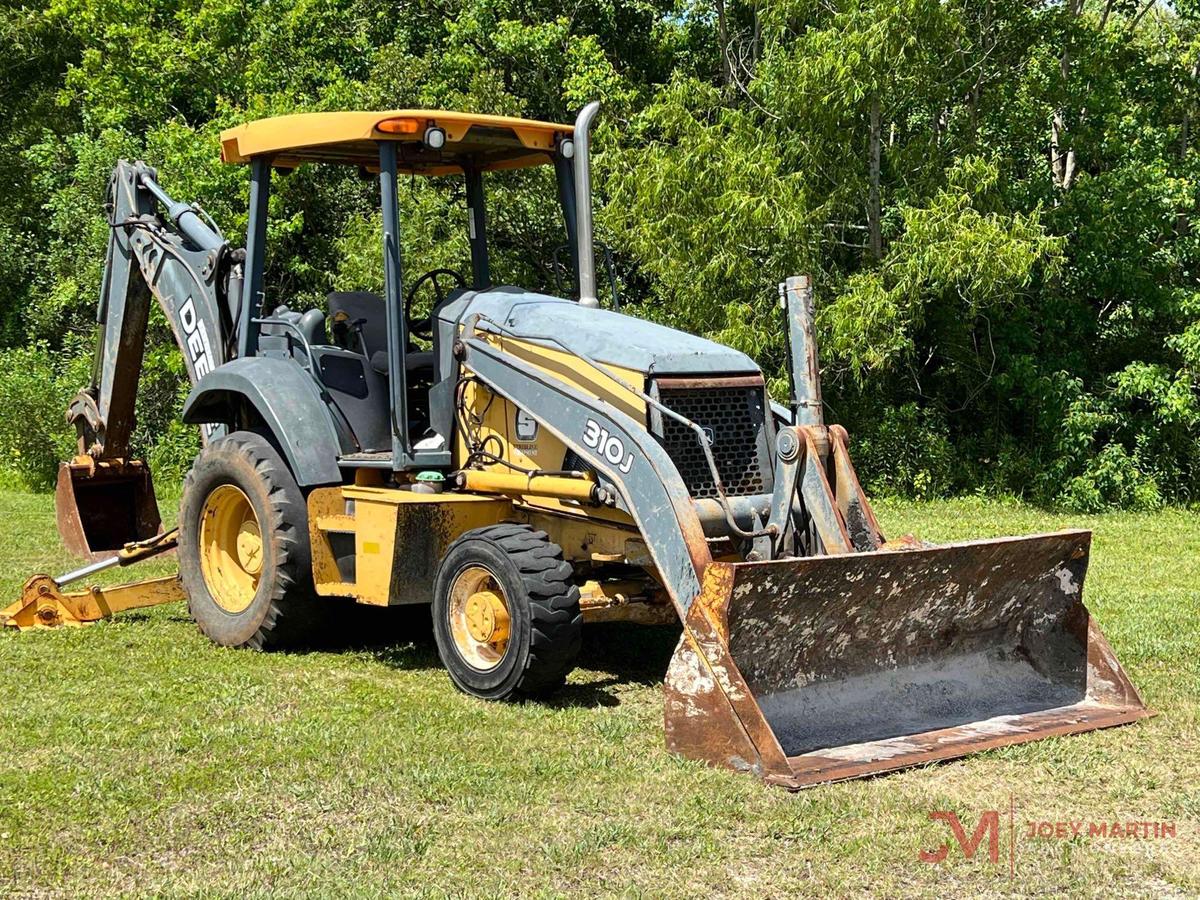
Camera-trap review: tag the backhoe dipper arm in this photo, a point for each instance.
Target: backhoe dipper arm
(179, 260)
(157, 248)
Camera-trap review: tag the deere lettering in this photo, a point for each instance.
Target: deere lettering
(195, 336)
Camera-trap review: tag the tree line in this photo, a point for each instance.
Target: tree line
(995, 199)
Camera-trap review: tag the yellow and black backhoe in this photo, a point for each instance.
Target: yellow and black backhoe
(526, 464)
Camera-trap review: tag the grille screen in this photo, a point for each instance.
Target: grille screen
(733, 417)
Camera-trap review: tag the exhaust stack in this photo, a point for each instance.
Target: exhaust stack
(583, 205)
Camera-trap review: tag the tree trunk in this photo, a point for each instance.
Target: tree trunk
(1185, 130)
(987, 43)
(1062, 157)
(1062, 161)
(756, 47)
(723, 40)
(874, 204)
(1183, 217)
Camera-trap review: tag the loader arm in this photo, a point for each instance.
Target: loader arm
(828, 652)
(617, 447)
(157, 248)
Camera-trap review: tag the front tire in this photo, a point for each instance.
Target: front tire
(244, 554)
(505, 613)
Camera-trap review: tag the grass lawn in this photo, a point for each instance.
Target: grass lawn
(140, 758)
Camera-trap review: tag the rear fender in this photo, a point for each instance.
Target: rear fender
(290, 404)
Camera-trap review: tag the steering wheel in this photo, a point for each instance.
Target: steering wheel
(424, 327)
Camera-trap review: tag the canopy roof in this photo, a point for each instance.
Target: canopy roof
(350, 138)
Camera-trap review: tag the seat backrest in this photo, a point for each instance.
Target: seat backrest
(355, 305)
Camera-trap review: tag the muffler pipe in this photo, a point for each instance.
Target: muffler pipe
(583, 205)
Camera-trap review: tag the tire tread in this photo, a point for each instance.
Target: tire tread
(294, 614)
(555, 619)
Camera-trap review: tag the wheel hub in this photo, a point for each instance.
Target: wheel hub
(479, 618)
(231, 548)
(487, 617)
(249, 547)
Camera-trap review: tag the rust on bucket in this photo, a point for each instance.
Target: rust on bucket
(826, 668)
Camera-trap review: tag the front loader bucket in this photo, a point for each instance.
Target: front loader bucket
(834, 667)
(102, 506)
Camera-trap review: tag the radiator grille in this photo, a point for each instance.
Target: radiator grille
(734, 419)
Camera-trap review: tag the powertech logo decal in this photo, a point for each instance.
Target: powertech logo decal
(526, 427)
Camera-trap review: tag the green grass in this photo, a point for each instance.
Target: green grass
(139, 758)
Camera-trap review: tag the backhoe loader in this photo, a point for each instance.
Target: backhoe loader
(526, 464)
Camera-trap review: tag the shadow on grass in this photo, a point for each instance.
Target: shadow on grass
(402, 638)
(632, 654)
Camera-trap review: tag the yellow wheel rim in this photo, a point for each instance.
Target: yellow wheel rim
(479, 618)
(231, 548)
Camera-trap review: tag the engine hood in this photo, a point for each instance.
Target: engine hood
(605, 336)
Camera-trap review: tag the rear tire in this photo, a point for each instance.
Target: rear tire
(244, 555)
(515, 576)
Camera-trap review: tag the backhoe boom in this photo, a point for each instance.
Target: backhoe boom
(157, 248)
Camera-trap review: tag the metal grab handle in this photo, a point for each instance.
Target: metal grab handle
(291, 327)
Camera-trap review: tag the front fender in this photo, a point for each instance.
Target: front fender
(290, 404)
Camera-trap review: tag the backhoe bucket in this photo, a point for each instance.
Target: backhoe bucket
(835, 667)
(102, 506)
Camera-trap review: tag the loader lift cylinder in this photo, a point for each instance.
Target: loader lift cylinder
(796, 298)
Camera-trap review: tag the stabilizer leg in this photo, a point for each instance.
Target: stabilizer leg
(44, 604)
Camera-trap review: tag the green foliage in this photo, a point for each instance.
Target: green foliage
(948, 252)
(996, 201)
(1111, 479)
(908, 455)
(35, 387)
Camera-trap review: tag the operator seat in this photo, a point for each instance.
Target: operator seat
(360, 323)
(310, 325)
(346, 308)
